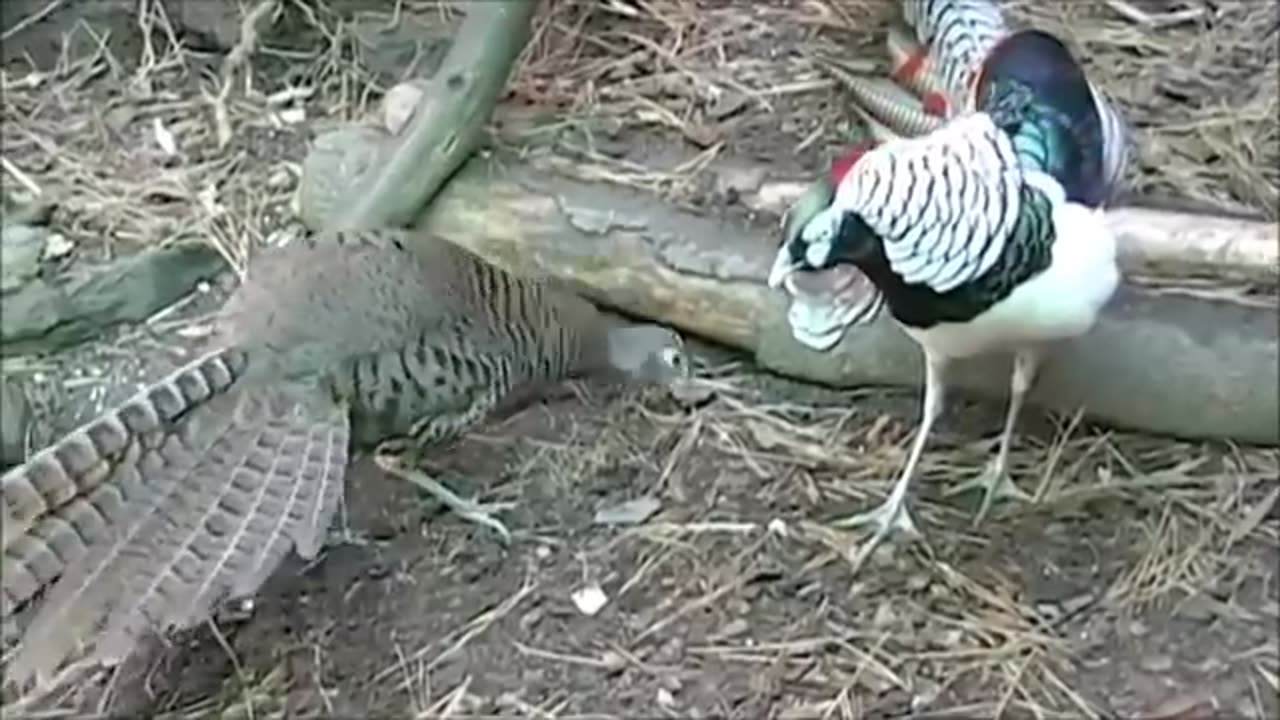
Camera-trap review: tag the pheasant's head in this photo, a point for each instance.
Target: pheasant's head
(650, 354)
(811, 224)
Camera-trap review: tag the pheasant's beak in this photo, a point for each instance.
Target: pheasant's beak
(783, 267)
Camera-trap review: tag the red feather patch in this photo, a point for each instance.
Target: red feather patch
(845, 163)
(936, 104)
(911, 67)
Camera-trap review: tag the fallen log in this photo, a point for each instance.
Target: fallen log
(1158, 362)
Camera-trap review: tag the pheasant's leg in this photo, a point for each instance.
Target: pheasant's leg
(892, 513)
(467, 509)
(344, 535)
(995, 481)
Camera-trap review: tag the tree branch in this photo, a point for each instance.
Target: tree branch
(449, 120)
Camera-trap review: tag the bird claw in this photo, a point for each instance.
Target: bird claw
(467, 509)
(480, 513)
(889, 516)
(995, 484)
(346, 536)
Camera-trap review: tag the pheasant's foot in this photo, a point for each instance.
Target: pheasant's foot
(891, 515)
(470, 510)
(344, 535)
(995, 484)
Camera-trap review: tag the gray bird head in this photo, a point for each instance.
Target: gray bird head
(648, 354)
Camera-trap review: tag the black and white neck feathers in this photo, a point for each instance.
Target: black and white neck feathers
(945, 225)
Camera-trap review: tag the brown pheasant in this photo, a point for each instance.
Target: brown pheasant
(191, 493)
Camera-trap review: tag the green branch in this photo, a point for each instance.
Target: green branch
(449, 122)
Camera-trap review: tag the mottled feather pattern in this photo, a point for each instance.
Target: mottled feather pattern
(958, 33)
(945, 204)
(195, 490)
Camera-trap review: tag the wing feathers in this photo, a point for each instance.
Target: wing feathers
(211, 514)
(62, 501)
(945, 204)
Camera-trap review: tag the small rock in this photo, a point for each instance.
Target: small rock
(951, 638)
(726, 104)
(918, 582)
(56, 247)
(739, 181)
(1183, 706)
(631, 512)
(1158, 662)
(732, 628)
(665, 698)
(589, 600)
(292, 115)
(1199, 608)
(613, 660)
(885, 616)
(281, 179)
(400, 102)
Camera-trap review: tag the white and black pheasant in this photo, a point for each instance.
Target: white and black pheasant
(192, 492)
(1032, 83)
(972, 249)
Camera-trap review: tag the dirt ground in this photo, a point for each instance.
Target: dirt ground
(1145, 583)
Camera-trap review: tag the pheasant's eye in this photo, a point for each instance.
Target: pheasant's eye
(676, 360)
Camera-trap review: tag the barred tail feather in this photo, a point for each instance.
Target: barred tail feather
(958, 33)
(63, 500)
(208, 511)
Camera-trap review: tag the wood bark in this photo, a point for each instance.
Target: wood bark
(1158, 362)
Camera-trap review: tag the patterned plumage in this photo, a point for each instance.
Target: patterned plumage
(954, 38)
(1031, 85)
(945, 225)
(973, 252)
(965, 47)
(1061, 123)
(192, 492)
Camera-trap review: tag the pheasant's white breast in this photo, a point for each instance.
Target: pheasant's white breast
(1061, 302)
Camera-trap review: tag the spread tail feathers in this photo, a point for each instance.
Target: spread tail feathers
(188, 494)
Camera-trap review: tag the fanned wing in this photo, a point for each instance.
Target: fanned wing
(208, 515)
(65, 498)
(945, 204)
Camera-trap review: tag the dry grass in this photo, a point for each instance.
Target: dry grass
(948, 623)
(1199, 85)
